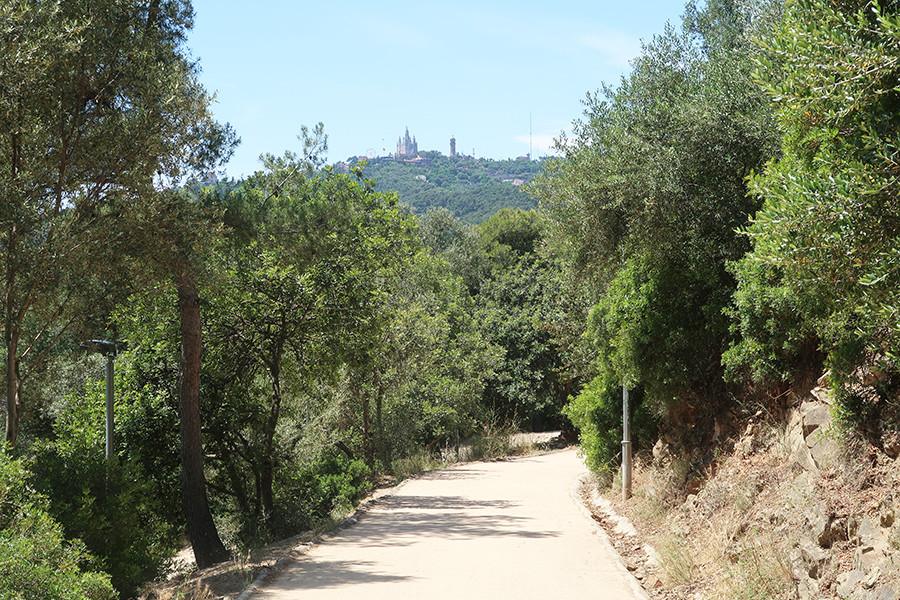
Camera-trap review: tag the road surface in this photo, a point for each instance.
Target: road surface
(495, 530)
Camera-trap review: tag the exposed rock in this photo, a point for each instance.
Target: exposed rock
(815, 416)
(886, 513)
(794, 430)
(848, 582)
(867, 532)
(824, 449)
(872, 578)
(885, 593)
(803, 457)
(812, 557)
(822, 393)
(807, 588)
(819, 524)
(834, 531)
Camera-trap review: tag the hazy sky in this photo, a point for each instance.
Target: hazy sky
(369, 69)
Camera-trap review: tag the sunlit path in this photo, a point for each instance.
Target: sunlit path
(484, 530)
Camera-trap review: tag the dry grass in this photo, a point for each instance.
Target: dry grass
(718, 541)
(677, 558)
(198, 591)
(760, 571)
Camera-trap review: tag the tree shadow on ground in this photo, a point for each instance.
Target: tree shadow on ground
(440, 503)
(309, 574)
(405, 520)
(451, 474)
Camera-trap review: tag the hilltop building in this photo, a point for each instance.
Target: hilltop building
(452, 146)
(406, 147)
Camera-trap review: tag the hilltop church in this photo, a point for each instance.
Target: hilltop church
(406, 147)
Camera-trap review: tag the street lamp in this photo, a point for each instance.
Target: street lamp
(626, 445)
(109, 349)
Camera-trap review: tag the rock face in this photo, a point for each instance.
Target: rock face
(873, 540)
(811, 438)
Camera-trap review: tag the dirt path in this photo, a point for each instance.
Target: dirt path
(482, 530)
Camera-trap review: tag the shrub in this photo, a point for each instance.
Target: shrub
(111, 506)
(597, 414)
(825, 261)
(308, 494)
(35, 559)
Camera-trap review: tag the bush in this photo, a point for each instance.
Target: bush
(111, 506)
(35, 559)
(825, 261)
(771, 343)
(597, 414)
(311, 493)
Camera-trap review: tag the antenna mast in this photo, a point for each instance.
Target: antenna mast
(530, 138)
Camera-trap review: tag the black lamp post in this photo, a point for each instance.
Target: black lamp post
(110, 349)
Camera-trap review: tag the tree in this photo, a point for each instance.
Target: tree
(824, 270)
(294, 278)
(645, 203)
(425, 364)
(101, 105)
(208, 547)
(176, 256)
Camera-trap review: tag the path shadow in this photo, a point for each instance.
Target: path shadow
(451, 474)
(320, 574)
(405, 520)
(440, 503)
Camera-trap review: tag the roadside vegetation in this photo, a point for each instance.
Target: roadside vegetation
(731, 209)
(294, 337)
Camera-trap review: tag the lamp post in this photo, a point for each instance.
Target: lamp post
(626, 446)
(110, 349)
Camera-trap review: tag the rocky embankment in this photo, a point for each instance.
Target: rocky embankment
(793, 509)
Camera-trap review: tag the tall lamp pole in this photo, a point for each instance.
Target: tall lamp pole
(110, 349)
(626, 446)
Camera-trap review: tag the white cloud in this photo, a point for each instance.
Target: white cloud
(615, 47)
(542, 142)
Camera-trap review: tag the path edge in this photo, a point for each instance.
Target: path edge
(637, 589)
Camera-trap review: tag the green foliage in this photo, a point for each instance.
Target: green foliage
(520, 310)
(770, 343)
(433, 360)
(826, 243)
(326, 488)
(597, 414)
(644, 206)
(112, 507)
(471, 189)
(101, 105)
(35, 559)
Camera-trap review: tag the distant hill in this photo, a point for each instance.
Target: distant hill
(471, 188)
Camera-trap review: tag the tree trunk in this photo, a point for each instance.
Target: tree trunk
(266, 477)
(237, 484)
(368, 447)
(208, 547)
(267, 464)
(12, 385)
(11, 338)
(384, 444)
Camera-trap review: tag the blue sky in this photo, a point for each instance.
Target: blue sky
(369, 69)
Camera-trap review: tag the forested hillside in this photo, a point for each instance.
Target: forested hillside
(472, 189)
